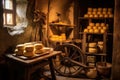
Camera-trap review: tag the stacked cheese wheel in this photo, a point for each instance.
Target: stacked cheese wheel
(92, 47)
(29, 49)
(61, 37)
(99, 12)
(96, 28)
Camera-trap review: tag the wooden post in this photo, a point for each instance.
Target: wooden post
(116, 43)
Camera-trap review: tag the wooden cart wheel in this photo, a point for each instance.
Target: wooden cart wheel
(62, 62)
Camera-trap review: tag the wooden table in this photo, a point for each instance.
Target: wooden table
(24, 68)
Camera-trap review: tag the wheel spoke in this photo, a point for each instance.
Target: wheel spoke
(60, 67)
(69, 70)
(73, 54)
(65, 69)
(77, 57)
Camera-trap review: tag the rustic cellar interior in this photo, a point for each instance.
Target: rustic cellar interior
(59, 39)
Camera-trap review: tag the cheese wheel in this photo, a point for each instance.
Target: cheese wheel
(91, 30)
(91, 24)
(94, 9)
(92, 44)
(91, 15)
(89, 27)
(38, 46)
(94, 12)
(97, 24)
(86, 15)
(96, 30)
(99, 9)
(90, 9)
(20, 47)
(104, 9)
(92, 50)
(29, 54)
(86, 30)
(101, 15)
(95, 15)
(29, 48)
(89, 12)
(106, 16)
(99, 12)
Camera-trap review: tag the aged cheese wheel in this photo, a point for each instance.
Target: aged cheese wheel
(91, 24)
(94, 9)
(96, 30)
(92, 44)
(109, 9)
(89, 12)
(102, 31)
(90, 9)
(97, 24)
(94, 27)
(110, 15)
(86, 15)
(95, 15)
(38, 46)
(94, 12)
(91, 15)
(99, 12)
(20, 47)
(106, 15)
(29, 48)
(99, 9)
(102, 24)
(29, 54)
(92, 50)
(104, 10)
(89, 27)
(101, 15)
(86, 30)
(91, 30)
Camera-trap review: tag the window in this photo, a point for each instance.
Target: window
(9, 12)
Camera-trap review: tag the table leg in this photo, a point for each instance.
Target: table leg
(52, 69)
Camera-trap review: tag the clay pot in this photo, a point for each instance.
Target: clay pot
(91, 73)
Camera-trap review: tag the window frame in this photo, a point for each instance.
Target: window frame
(9, 11)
